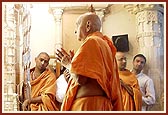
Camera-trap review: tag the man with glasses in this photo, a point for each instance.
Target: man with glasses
(132, 97)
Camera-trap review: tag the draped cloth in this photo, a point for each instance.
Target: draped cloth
(131, 103)
(98, 103)
(44, 86)
(96, 59)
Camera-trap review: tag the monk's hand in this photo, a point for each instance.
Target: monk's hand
(26, 105)
(67, 75)
(64, 57)
(71, 52)
(127, 87)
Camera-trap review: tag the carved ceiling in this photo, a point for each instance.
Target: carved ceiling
(79, 7)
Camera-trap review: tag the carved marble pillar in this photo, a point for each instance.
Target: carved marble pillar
(150, 36)
(58, 27)
(57, 13)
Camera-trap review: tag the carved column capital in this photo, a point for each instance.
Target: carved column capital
(57, 13)
(135, 8)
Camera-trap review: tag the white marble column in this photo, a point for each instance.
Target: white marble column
(150, 35)
(58, 28)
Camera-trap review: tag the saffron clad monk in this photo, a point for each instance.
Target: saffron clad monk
(94, 84)
(43, 82)
(132, 97)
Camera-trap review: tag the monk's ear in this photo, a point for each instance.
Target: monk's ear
(88, 26)
(35, 59)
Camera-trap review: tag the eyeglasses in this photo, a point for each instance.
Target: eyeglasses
(122, 59)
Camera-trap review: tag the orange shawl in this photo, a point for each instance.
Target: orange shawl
(44, 85)
(96, 59)
(135, 103)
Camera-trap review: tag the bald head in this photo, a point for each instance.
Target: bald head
(44, 53)
(94, 21)
(42, 61)
(86, 24)
(121, 60)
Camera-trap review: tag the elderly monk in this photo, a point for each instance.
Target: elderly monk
(132, 97)
(43, 83)
(94, 84)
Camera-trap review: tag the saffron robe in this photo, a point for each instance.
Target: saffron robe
(98, 103)
(44, 86)
(96, 59)
(131, 103)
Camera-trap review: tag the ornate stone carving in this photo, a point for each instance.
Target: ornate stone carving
(147, 16)
(149, 24)
(135, 8)
(57, 13)
(80, 8)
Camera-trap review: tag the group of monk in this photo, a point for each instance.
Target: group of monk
(98, 79)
